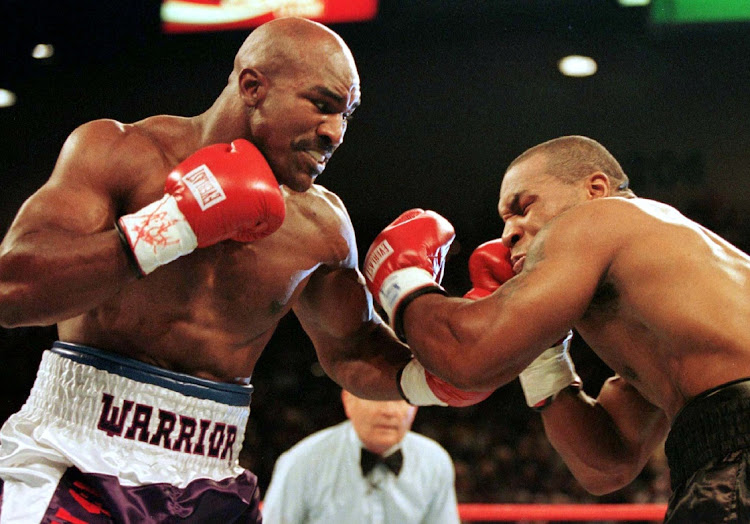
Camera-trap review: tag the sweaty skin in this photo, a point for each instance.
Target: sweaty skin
(662, 300)
(210, 313)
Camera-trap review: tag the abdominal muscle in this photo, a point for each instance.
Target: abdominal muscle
(209, 314)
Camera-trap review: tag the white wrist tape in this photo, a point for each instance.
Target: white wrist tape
(414, 386)
(158, 234)
(400, 284)
(550, 373)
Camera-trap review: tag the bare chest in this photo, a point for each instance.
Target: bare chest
(622, 338)
(248, 287)
(229, 297)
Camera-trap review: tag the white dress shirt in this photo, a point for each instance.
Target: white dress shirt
(319, 480)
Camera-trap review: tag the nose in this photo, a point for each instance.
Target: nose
(333, 128)
(511, 234)
(392, 408)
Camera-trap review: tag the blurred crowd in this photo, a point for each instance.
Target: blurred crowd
(498, 447)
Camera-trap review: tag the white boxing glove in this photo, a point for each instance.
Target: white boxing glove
(548, 374)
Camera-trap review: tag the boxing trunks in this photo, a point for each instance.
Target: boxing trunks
(708, 450)
(103, 438)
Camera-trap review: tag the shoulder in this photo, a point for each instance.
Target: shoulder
(324, 212)
(116, 137)
(597, 213)
(102, 147)
(602, 225)
(612, 213)
(331, 205)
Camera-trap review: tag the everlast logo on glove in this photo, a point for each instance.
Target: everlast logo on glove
(376, 257)
(204, 437)
(205, 188)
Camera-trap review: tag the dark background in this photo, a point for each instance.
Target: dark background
(452, 91)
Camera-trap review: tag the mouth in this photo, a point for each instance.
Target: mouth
(385, 426)
(517, 261)
(319, 158)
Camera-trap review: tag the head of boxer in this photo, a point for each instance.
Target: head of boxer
(299, 86)
(549, 179)
(379, 424)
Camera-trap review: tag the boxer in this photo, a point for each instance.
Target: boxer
(661, 299)
(166, 251)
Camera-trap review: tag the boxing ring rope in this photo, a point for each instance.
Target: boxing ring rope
(561, 512)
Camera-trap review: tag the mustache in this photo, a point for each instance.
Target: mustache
(320, 144)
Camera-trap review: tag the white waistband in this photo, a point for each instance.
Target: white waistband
(111, 424)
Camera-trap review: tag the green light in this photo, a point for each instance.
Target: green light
(699, 11)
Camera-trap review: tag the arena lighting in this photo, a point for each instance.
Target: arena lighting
(42, 51)
(678, 12)
(7, 98)
(183, 16)
(633, 3)
(577, 65)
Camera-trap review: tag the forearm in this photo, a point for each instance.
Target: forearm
(451, 338)
(49, 276)
(368, 364)
(590, 443)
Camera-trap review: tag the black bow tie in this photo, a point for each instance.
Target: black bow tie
(369, 460)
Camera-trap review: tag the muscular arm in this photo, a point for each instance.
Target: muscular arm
(354, 346)
(62, 255)
(486, 343)
(606, 441)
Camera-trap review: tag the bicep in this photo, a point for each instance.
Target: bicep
(334, 304)
(71, 208)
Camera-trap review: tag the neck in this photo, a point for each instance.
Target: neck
(222, 122)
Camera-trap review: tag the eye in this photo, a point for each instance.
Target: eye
(322, 106)
(525, 205)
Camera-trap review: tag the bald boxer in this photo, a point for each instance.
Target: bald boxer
(167, 251)
(662, 300)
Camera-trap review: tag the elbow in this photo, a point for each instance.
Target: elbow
(604, 482)
(469, 377)
(15, 306)
(463, 381)
(477, 373)
(24, 298)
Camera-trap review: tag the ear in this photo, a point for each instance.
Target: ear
(253, 86)
(597, 185)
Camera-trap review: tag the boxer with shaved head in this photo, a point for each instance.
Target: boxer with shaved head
(167, 251)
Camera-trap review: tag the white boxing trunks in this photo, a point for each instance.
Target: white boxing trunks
(103, 438)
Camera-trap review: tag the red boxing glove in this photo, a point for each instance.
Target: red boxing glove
(419, 387)
(406, 260)
(489, 268)
(220, 192)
